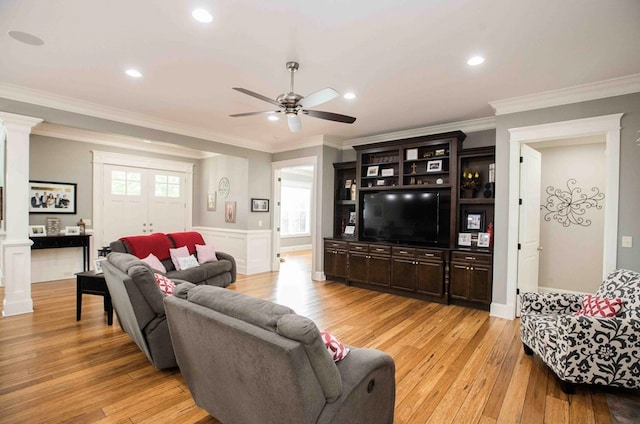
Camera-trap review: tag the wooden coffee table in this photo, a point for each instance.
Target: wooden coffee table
(89, 282)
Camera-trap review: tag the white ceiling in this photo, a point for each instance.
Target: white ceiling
(405, 60)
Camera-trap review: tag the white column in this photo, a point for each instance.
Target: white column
(17, 245)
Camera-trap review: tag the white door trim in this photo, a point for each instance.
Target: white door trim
(609, 127)
(101, 158)
(315, 201)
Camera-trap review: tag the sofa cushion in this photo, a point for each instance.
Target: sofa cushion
(141, 275)
(153, 261)
(188, 239)
(623, 284)
(179, 252)
(261, 313)
(206, 253)
(304, 330)
(595, 306)
(141, 246)
(196, 275)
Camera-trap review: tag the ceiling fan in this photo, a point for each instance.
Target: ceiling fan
(293, 105)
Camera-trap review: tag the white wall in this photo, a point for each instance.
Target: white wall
(571, 259)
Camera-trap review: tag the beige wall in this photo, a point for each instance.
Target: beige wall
(571, 258)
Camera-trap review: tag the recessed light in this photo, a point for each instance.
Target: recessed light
(202, 15)
(133, 73)
(350, 95)
(475, 61)
(273, 118)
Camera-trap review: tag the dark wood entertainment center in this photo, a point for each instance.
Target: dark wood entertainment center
(444, 271)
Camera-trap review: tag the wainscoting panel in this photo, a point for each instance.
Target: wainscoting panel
(251, 249)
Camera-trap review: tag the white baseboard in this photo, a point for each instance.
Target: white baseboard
(502, 310)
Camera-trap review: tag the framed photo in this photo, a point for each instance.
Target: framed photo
(434, 165)
(37, 231)
(72, 231)
(388, 172)
(259, 205)
(347, 183)
(372, 171)
(53, 226)
(97, 265)
(230, 212)
(380, 182)
(484, 239)
(474, 221)
(464, 239)
(350, 230)
(211, 201)
(352, 218)
(412, 154)
(439, 152)
(48, 197)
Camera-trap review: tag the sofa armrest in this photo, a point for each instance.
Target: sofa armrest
(368, 389)
(549, 303)
(599, 350)
(228, 257)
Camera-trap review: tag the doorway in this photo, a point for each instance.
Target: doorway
(301, 175)
(608, 127)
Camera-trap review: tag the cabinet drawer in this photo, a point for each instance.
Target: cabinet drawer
(379, 250)
(429, 254)
(331, 244)
(481, 258)
(358, 247)
(404, 252)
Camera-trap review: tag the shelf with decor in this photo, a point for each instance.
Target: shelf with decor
(345, 200)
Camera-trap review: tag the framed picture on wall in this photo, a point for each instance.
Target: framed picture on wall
(50, 198)
(211, 201)
(230, 212)
(259, 205)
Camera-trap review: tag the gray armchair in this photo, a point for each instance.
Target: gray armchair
(586, 349)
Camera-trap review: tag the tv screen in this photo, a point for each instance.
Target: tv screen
(409, 217)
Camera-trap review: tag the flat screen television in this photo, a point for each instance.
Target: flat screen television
(406, 217)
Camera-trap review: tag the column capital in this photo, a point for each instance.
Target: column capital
(19, 121)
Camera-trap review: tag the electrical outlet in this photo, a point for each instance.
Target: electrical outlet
(627, 241)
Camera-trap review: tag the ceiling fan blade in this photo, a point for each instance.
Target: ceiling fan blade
(319, 97)
(295, 123)
(236, 115)
(330, 116)
(257, 96)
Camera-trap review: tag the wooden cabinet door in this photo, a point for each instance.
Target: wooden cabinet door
(458, 281)
(330, 261)
(430, 278)
(480, 284)
(358, 267)
(379, 270)
(403, 274)
(341, 263)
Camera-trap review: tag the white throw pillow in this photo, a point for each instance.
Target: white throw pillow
(206, 253)
(180, 252)
(153, 261)
(188, 262)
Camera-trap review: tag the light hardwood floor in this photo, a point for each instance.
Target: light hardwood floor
(453, 364)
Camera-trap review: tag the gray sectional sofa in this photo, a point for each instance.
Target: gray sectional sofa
(248, 360)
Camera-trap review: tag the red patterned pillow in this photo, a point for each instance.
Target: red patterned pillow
(595, 306)
(165, 285)
(337, 350)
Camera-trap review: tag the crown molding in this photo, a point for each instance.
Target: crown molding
(473, 125)
(576, 94)
(69, 104)
(117, 140)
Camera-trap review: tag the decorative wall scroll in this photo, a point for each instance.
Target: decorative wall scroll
(568, 206)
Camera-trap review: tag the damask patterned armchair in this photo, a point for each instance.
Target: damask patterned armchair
(586, 349)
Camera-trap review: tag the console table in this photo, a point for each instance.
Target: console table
(58, 242)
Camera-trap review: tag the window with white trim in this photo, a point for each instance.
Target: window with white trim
(167, 186)
(125, 183)
(295, 211)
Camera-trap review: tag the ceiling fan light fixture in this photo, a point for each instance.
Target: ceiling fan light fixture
(202, 15)
(273, 118)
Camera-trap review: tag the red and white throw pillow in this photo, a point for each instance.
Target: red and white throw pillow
(337, 350)
(165, 285)
(595, 306)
